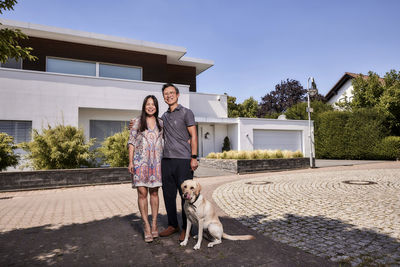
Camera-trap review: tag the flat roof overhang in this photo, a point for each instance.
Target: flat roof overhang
(175, 54)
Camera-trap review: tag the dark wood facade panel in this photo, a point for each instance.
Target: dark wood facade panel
(182, 75)
(155, 67)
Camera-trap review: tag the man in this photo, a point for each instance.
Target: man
(179, 156)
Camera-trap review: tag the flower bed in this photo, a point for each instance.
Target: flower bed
(256, 165)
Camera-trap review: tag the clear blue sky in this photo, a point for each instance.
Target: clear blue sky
(255, 44)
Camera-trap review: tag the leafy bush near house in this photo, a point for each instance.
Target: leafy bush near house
(114, 151)
(7, 156)
(349, 135)
(256, 154)
(389, 148)
(59, 147)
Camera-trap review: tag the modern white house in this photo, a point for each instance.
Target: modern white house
(98, 82)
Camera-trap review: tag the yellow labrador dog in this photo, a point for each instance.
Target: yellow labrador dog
(200, 211)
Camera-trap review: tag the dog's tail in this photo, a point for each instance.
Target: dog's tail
(238, 237)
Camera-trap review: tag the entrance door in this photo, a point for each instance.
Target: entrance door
(206, 140)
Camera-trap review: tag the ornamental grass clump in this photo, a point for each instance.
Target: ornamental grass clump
(232, 154)
(212, 155)
(256, 154)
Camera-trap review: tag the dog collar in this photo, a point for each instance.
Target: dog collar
(192, 204)
(197, 197)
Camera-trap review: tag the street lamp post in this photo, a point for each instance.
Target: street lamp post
(310, 92)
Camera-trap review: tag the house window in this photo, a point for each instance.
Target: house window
(20, 130)
(95, 69)
(120, 72)
(12, 64)
(101, 129)
(71, 67)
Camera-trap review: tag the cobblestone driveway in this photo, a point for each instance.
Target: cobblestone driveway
(318, 213)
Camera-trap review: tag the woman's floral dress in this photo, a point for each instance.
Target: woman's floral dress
(147, 155)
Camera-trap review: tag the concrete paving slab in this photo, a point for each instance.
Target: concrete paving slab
(100, 225)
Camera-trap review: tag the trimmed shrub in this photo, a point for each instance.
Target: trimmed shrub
(349, 135)
(7, 156)
(389, 148)
(114, 149)
(227, 144)
(61, 147)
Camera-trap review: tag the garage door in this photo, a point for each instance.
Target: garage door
(271, 139)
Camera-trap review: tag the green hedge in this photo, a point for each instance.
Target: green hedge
(389, 148)
(350, 135)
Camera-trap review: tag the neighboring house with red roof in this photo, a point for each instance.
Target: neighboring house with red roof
(343, 89)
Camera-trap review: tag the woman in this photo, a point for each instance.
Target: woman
(145, 152)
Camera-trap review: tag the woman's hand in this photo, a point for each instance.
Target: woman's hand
(130, 168)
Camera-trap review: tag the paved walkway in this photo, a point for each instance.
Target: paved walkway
(301, 218)
(344, 215)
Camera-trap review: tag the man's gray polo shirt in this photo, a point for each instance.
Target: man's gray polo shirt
(176, 135)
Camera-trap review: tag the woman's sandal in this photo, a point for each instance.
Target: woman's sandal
(148, 238)
(155, 234)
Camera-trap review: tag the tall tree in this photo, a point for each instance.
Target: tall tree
(233, 108)
(381, 93)
(249, 108)
(9, 39)
(298, 111)
(285, 95)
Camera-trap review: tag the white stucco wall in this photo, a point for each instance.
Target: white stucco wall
(51, 98)
(208, 105)
(345, 90)
(233, 134)
(221, 131)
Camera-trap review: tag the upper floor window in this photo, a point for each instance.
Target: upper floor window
(71, 67)
(95, 69)
(12, 64)
(121, 72)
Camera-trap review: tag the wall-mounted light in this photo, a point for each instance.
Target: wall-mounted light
(219, 98)
(206, 135)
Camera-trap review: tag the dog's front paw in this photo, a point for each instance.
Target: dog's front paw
(196, 247)
(183, 243)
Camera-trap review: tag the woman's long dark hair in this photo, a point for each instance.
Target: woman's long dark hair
(143, 123)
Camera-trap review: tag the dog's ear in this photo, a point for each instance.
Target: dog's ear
(182, 184)
(198, 188)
